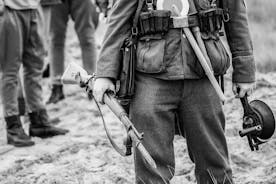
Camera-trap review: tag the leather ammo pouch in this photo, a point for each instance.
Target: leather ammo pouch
(210, 23)
(128, 52)
(154, 22)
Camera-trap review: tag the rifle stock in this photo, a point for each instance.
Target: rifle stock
(74, 74)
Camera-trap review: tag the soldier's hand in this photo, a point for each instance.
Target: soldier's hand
(101, 85)
(241, 89)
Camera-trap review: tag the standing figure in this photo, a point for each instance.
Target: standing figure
(21, 43)
(171, 86)
(46, 12)
(85, 17)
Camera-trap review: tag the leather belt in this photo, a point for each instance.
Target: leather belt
(182, 22)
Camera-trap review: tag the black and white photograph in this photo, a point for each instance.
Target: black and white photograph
(137, 91)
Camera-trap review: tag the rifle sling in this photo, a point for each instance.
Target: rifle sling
(122, 152)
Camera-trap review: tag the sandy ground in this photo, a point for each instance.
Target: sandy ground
(84, 156)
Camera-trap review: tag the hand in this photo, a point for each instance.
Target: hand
(101, 85)
(242, 89)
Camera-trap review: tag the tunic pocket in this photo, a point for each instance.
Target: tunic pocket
(150, 55)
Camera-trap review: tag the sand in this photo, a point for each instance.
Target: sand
(85, 156)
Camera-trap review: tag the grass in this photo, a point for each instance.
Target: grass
(262, 22)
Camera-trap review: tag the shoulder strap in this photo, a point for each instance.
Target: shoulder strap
(134, 30)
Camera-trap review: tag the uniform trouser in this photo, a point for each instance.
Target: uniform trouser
(81, 12)
(46, 10)
(157, 105)
(21, 42)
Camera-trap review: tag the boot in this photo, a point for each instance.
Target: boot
(40, 126)
(57, 94)
(15, 133)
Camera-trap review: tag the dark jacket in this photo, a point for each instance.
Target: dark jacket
(171, 57)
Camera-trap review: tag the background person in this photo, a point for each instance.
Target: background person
(85, 17)
(21, 41)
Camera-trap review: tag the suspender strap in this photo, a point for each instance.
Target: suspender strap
(134, 29)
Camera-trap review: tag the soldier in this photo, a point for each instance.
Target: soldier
(170, 85)
(85, 17)
(46, 10)
(22, 44)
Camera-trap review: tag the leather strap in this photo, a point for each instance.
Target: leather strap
(182, 22)
(134, 31)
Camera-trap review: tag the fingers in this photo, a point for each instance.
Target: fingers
(242, 89)
(242, 93)
(235, 89)
(100, 87)
(98, 93)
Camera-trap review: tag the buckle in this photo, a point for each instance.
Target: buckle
(225, 16)
(149, 4)
(134, 31)
(180, 22)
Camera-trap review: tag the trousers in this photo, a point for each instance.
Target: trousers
(82, 13)
(154, 110)
(21, 43)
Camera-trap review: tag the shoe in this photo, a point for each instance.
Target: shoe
(40, 126)
(56, 95)
(15, 133)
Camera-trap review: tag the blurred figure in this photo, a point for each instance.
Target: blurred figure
(46, 10)
(85, 16)
(21, 41)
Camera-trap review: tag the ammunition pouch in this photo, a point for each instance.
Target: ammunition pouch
(128, 51)
(210, 20)
(154, 22)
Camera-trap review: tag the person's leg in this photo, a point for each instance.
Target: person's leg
(12, 38)
(11, 44)
(204, 122)
(20, 97)
(82, 13)
(152, 111)
(58, 26)
(46, 10)
(33, 64)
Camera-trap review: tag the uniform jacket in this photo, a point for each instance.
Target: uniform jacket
(171, 57)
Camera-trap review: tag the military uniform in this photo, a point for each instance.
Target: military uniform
(46, 9)
(21, 43)
(85, 17)
(82, 13)
(170, 86)
(20, 47)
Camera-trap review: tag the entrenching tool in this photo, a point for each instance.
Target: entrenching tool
(258, 122)
(198, 46)
(74, 74)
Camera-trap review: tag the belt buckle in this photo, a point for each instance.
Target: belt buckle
(180, 22)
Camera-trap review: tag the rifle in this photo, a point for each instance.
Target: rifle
(74, 74)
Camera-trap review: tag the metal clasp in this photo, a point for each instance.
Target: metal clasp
(149, 4)
(134, 31)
